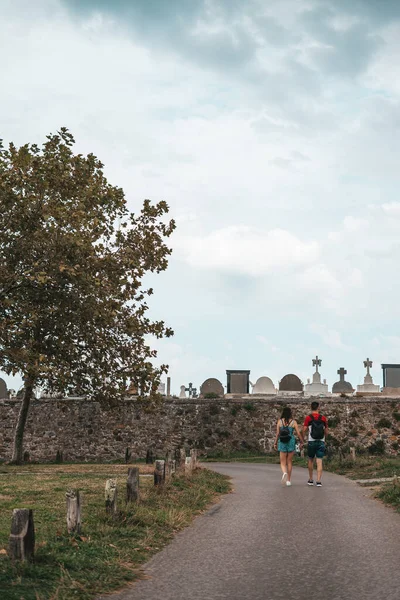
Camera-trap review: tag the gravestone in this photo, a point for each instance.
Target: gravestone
(368, 386)
(316, 388)
(290, 383)
(238, 381)
(264, 385)
(212, 386)
(342, 386)
(161, 389)
(3, 389)
(182, 393)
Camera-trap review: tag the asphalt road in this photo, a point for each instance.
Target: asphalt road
(269, 542)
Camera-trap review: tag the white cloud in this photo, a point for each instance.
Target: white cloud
(246, 250)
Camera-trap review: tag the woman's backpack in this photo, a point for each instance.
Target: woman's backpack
(284, 433)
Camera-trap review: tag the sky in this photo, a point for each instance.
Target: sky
(272, 131)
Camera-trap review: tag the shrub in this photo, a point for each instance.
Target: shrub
(333, 422)
(377, 447)
(384, 422)
(249, 406)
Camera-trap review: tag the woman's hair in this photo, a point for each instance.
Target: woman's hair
(286, 414)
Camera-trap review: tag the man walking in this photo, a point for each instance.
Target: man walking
(316, 425)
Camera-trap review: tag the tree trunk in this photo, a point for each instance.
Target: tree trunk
(17, 457)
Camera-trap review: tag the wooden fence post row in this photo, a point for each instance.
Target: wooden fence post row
(22, 538)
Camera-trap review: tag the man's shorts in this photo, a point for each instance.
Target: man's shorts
(316, 449)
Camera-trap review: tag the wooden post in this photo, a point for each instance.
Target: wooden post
(353, 453)
(150, 456)
(168, 460)
(73, 511)
(128, 455)
(59, 457)
(22, 538)
(188, 465)
(193, 457)
(132, 485)
(182, 459)
(173, 467)
(111, 496)
(159, 472)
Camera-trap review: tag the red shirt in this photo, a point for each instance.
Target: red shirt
(308, 420)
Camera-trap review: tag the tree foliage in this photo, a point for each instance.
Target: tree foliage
(73, 309)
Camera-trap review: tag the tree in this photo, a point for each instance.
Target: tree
(72, 261)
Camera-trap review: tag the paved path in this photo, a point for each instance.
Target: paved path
(269, 542)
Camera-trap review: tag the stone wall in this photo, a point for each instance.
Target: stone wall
(86, 431)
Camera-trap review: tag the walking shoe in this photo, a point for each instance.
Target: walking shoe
(319, 484)
(283, 478)
(288, 483)
(310, 482)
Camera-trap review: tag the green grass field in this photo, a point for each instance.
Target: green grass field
(108, 552)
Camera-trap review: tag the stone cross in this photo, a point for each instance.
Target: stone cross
(342, 372)
(316, 363)
(368, 365)
(192, 391)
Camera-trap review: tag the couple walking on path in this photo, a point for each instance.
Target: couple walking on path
(315, 427)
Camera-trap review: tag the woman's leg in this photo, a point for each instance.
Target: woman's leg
(283, 459)
(289, 465)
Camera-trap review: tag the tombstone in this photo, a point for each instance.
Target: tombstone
(290, 383)
(342, 386)
(161, 389)
(212, 386)
(182, 393)
(316, 388)
(3, 389)
(368, 386)
(237, 381)
(391, 378)
(264, 385)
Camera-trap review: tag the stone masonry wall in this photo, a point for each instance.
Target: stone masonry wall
(85, 431)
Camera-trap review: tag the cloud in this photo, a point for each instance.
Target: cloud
(246, 250)
(330, 337)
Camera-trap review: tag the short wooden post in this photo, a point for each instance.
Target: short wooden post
(22, 538)
(73, 511)
(353, 454)
(111, 496)
(132, 485)
(173, 467)
(159, 472)
(149, 456)
(188, 465)
(128, 455)
(59, 457)
(182, 459)
(168, 460)
(193, 457)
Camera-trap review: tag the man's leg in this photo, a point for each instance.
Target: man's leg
(319, 469)
(310, 467)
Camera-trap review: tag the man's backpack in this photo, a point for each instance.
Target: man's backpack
(317, 427)
(284, 434)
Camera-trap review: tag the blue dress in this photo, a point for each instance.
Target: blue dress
(289, 446)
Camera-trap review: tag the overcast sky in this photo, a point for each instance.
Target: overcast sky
(272, 131)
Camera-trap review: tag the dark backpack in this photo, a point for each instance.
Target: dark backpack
(284, 434)
(317, 427)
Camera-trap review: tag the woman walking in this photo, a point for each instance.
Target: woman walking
(285, 442)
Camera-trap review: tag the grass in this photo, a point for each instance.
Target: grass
(364, 467)
(390, 494)
(108, 552)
